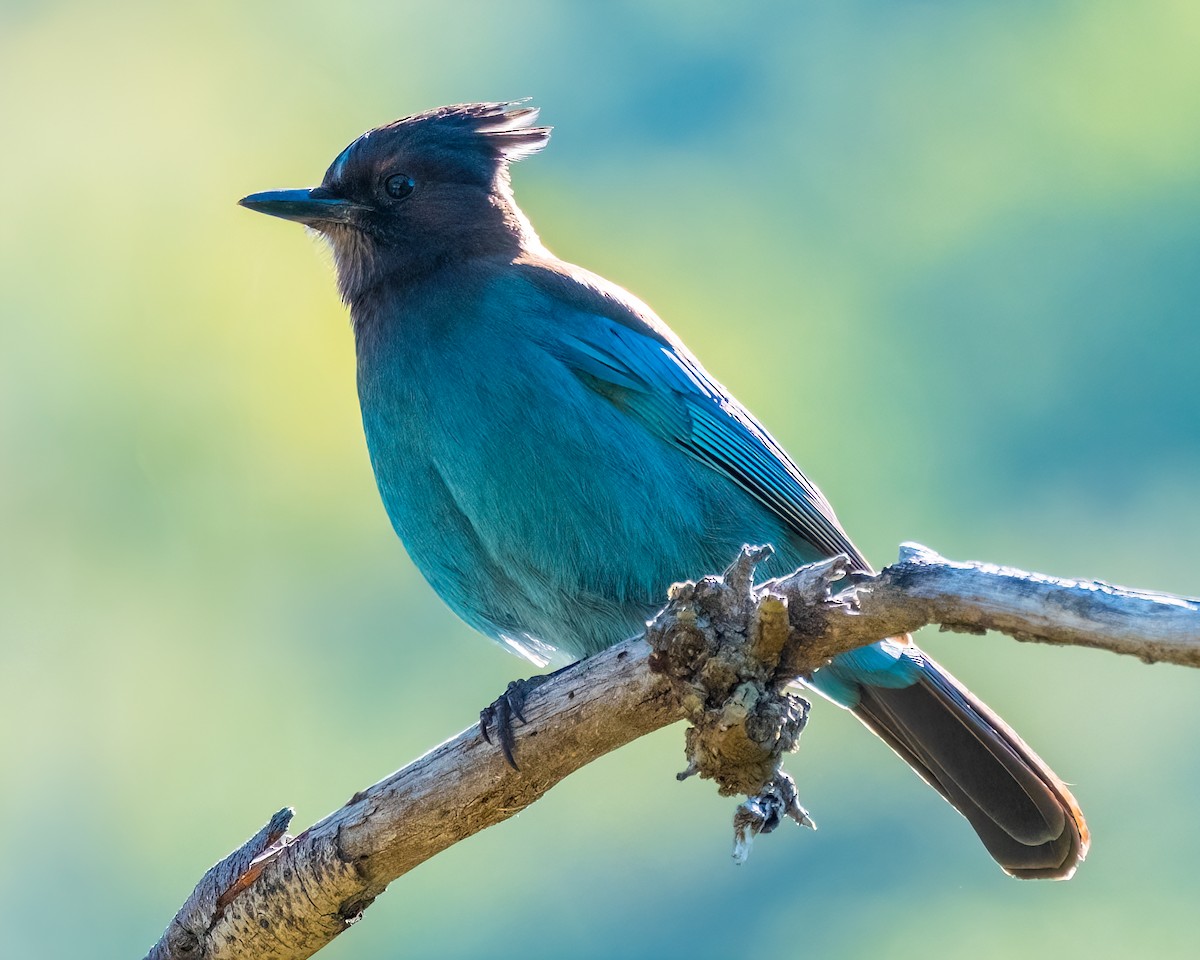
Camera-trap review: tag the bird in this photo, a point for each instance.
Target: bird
(553, 457)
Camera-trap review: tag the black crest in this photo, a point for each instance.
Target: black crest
(505, 128)
(473, 141)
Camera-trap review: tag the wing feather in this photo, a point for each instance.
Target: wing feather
(666, 388)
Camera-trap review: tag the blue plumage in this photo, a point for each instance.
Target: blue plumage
(553, 457)
(581, 465)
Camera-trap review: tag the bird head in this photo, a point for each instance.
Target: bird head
(412, 194)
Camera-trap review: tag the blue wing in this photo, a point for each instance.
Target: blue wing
(650, 375)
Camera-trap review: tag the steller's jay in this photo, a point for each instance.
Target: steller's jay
(554, 458)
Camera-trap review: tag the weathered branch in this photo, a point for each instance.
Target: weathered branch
(720, 654)
(924, 588)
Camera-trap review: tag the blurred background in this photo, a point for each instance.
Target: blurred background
(948, 253)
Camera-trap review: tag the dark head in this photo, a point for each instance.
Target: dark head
(406, 198)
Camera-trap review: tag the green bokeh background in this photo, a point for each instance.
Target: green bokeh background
(949, 253)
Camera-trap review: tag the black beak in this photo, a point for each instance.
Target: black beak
(311, 207)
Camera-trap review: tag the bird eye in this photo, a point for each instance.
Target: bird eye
(398, 186)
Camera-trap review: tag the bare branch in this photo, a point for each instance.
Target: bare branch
(925, 588)
(721, 655)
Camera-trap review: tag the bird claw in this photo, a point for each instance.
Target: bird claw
(498, 716)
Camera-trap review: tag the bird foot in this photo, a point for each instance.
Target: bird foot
(497, 718)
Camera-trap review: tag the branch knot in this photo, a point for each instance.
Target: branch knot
(720, 639)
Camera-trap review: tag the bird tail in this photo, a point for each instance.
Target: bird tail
(1025, 816)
